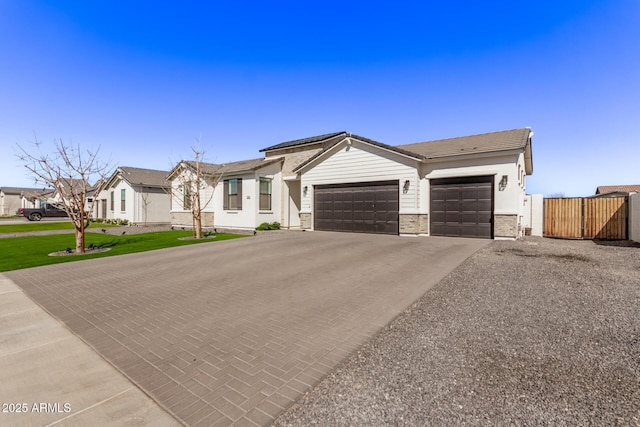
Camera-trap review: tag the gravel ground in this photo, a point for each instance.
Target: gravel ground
(537, 331)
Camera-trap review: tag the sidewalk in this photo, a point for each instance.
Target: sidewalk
(51, 377)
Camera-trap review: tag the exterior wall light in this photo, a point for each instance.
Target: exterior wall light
(503, 182)
(305, 190)
(405, 187)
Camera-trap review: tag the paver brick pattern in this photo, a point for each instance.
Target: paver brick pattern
(235, 332)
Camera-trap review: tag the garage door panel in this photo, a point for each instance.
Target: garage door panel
(462, 207)
(364, 208)
(437, 216)
(452, 205)
(484, 218)
(437, 195)
(484, 205)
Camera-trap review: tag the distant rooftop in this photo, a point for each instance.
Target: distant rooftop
(605, 189)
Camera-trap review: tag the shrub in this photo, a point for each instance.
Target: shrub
(116, 221)
(266, 226)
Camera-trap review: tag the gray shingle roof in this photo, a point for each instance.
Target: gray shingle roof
(24, 190)
(480, 143)
(233, 167)
(303, 141)
(145, 177)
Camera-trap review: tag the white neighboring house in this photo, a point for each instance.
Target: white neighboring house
(70, 186)
(141, 196)
(471, 186)
(14, 198)
(243, 198)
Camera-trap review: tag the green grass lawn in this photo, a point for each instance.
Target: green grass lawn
(45, 226)
(32, 251)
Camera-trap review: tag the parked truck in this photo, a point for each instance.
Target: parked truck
(46, 211)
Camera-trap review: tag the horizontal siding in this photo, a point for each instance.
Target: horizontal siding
(362, 163)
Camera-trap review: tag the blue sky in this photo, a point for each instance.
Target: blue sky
(141, 80)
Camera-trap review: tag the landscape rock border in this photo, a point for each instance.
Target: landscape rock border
(86, 252)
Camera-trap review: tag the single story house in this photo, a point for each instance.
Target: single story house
(13, 199)
(471, 186)
(616, 190)
(140, 196)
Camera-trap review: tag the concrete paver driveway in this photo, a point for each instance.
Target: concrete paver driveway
(234, 332)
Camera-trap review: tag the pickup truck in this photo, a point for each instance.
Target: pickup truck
(47, 210)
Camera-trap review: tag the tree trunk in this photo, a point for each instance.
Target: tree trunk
(80, 241)
(199, 227)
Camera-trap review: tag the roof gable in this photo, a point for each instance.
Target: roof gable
(145, 177)
(361, 139)
(137, 176)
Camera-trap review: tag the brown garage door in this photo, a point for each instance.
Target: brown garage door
(370, 207)
(462, 207)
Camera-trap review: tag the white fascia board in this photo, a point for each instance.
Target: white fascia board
(454, 174)
(291, 178)
(474, 155)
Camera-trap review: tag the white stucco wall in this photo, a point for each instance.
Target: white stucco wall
(507, 201)
(116, 212)
(158, 206)
(176, 193)
(361, 162)
(533, 214)
(10, 203)
(156, 202)
(249, 216)
(634, 217)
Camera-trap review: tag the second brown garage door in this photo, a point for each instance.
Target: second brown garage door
(462, 207)
(370, 207)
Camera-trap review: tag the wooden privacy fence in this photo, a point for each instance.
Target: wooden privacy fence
(586, 218)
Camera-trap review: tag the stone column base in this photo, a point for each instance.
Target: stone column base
(505, 226)
(185, 219)
(305, 221)
(414, 223)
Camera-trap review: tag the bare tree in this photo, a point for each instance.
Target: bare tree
(68, 171)
(144, 195)
(194, 177)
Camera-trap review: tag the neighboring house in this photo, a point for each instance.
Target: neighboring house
(247, 193)
(616, 190)
(472, 186)
(14, 198)
(141, 196)
(66, 187)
